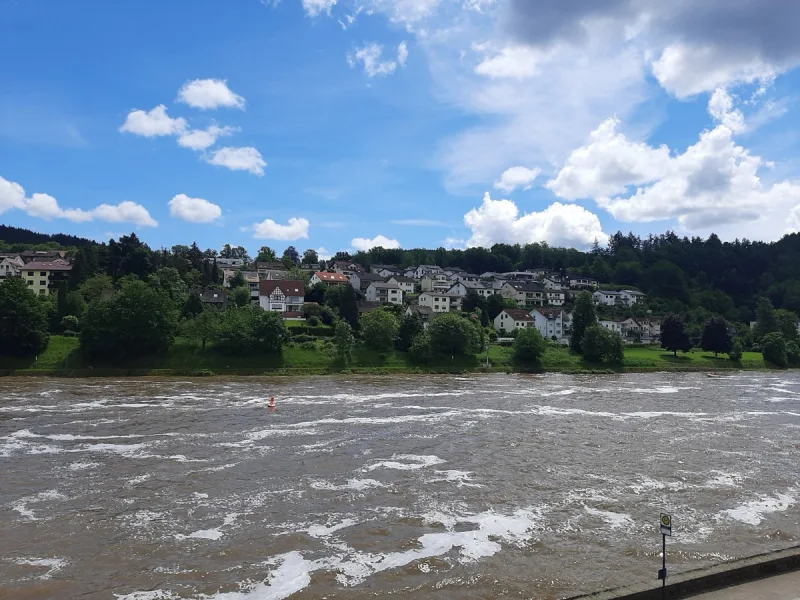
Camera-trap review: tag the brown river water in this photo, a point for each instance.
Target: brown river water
(483, 486)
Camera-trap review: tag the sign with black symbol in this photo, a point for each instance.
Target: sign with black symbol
(666, 524)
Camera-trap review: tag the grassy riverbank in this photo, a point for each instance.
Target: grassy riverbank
(62, 358)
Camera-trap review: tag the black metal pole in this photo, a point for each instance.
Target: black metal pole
(664, 566)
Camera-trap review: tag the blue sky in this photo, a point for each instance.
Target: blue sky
(325, 124)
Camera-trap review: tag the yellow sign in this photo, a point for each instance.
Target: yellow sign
(666, 524)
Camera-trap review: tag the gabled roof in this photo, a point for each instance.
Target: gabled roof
(420, 310)
(526, 286)
(632, 292)
(213, 297)
(518, 314)
(332, 277)
(270, 266)
(347, 265)
(289, 288)
(366, 306)
(549, 313)
(608, 292)
(370, 277)
(402, 279)
(385, 285)
(55, 265)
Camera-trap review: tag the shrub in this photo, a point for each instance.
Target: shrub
(314, 321)
(529, 347)
(421, 350)
(792, 354)
(736, 351)
(601, 345)
(774, 349)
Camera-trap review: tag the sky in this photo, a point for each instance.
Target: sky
(348, 124)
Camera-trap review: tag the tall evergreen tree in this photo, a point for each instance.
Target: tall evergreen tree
(348, 306)
(582, 317)
(766, 319)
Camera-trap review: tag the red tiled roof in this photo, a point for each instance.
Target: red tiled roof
(289, 288)
(332, 277)
(518, 314)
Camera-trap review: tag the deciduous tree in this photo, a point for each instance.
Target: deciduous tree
(23, 320)
(673, 335)
(716, 338)
(582, 317)
(379, 330)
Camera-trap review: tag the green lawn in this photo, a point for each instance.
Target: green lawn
(63, 355)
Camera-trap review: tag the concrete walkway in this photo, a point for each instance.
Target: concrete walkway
(781, 587)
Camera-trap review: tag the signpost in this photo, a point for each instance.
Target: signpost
(666, 530)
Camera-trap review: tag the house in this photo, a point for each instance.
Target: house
(439, 303)
(552, 282)
(216, 299)
(384, 292)
(423, 270)
(607, 298)
(346, 267)
(281, 295)
(453, 272)
(329, 278)
(511, 319)
(555, 298)
(251, 278)
(464, 276)
(230, 262)
(456, 302)
(631, 297)
(582, 282)
(361, 281)
(651, 331)
(551, 323)
(462, 288)
(43, 276)
(386, 270)
(526, 293)
(11, 265)
(406, 284)
(612, 325)
(42, 255)
(270, 270)
(435, 282)
(631, 331)
(521, 275)
(424, 313)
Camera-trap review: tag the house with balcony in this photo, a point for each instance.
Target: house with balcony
(608, 298)
(329, 278)
(408, 285)
(10, 265)
(631, 297)
(43, 277)
(389, 293)
(438, 303)
(435, 282)
(586, 283)
(269, 270)
(551, 323)
(511, 319)
(423, 270)
(361, 281)
(527, 294)
(555, 297)
(612, 325)
(345, 267)
(281, 295)
(462, 288)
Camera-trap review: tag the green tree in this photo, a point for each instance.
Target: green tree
(601, 345)
(241, 296)
(472, 302)
(291, 257)
(766, 319)
(203, 326)
(96, 287)
(269, 331)
(787, 324)
(170, 281)
(494, 306)
(244, 330)
(138, 321)
(348, 305)
(673, 335)
(70, 324)
(310, 257)
(792, 353)
(23, 320)
(453, 335)
(736, 351)
(192, 307)
(379, 330)
(583, 316)
(529, 347)
(344, 340)
(421, 350)
(667, 280)
(76, 305)
(266, 254)
(716, 338)
(61, 300)
(410, 326)
(237, 281)
(773, 349)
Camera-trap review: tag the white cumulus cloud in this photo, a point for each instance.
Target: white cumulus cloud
(512, 62)
(720, 106)
(315, 7)
(238, 159)
(297, 228)
(12, 195)
(499, 221)
(209, 94)
(200, 139)
(516, 177)
(153, 123)
(366, 244)
(402, 54)
(193, 210)
(370, 56)
(124, 212)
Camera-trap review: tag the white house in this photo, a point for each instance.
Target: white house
(10, 266)
(614, 326)
(44, 276)
(281, 295)
(361, 281)
(551, 282)
(385, 270)
(631, 297)
(462, 288)
(423, 270)
(511, 319)
(346, 267)
(270, 270)
(435, 282)
(464, 276)
(406, 284)
(439, 303)
(384, 292)
(424, 313)
(526, 293)
(329, 278)
(555, 297)
(582, 282)
(607, 298)
(651, 331)
(551, 323)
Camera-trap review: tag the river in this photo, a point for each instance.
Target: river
(446, 487)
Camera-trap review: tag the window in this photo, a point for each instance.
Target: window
(43, 282)
(30, 273)
(42, 292)
(30, 282)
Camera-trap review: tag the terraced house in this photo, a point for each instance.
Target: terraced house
(43, 277)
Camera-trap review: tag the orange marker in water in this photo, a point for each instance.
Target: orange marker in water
(271, 402)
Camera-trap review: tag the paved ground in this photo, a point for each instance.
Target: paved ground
(782, 587)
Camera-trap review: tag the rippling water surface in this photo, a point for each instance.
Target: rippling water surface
(445, 487)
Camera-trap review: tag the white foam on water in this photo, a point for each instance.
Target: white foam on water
(200, 495)
(292, 575)
(431, 417)
(485, 541)
(358, 485)
(219, 468)
(210, 534)
(143, 518)
(21, 505)
(53, 565)
(666, 389)
(412, 462)
(755, 511)
(615, 520)
(559, 393)
(82, 466)
(147, 595)
(722, 479)
(139, 479)
(323, 531)
(663, 413)
(461, 478)
(646, 484)
(127, 450)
